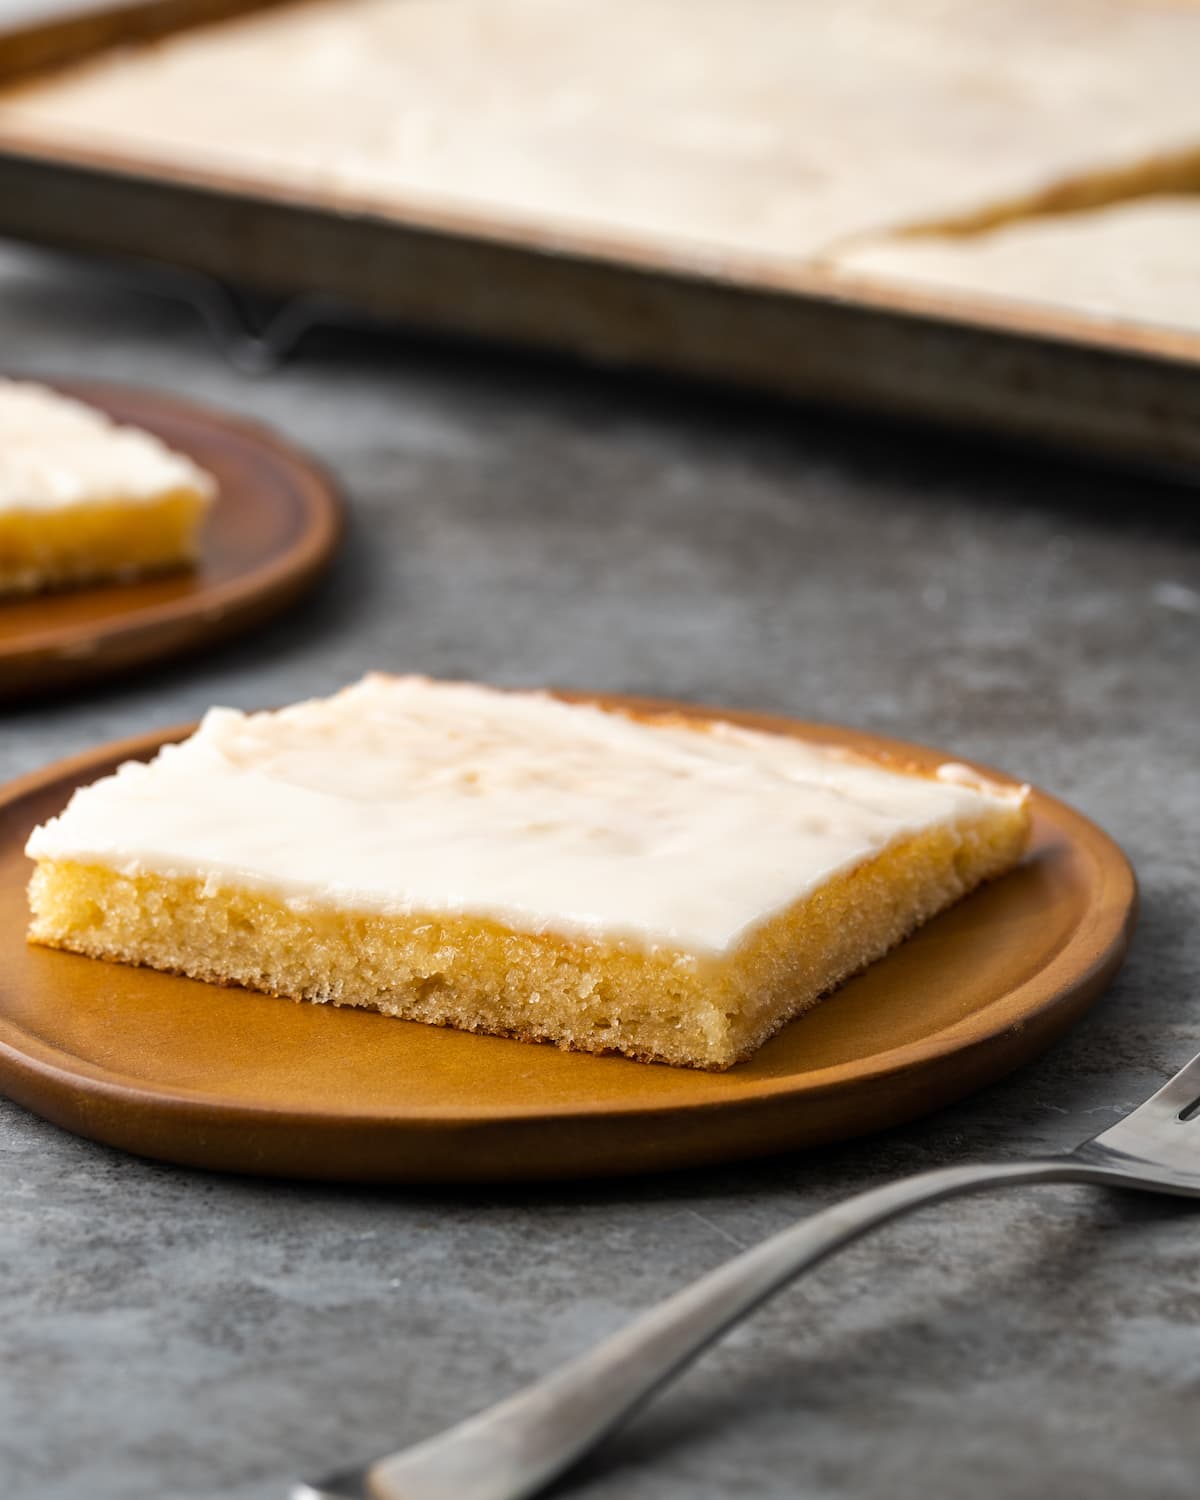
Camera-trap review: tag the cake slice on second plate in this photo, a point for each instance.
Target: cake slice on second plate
(83, 499)
(669, 888)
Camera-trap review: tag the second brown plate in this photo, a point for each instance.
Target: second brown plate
(223, 1078)
(275, 525)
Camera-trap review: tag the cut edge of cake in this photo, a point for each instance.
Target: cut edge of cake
(124, 505)
(111, 541)
(657, 1004)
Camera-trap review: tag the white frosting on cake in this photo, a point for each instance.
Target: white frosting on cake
(56, 452)
(403, 795)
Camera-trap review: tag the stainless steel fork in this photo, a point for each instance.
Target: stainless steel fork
(515, 1448)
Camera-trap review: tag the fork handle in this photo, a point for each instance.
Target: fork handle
(514, 1448)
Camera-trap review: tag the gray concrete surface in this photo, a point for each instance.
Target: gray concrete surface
(172, 1334)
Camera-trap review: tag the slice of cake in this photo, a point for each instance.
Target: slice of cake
(669, 888)
(1134, 261)
(82, 499)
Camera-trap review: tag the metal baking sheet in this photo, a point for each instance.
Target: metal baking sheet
(1045, 375)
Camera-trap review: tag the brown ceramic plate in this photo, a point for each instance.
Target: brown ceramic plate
(276, 523)
(236, 1081)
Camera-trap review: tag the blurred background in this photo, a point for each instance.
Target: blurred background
(984, 214)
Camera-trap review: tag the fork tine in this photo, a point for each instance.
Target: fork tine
(1178, 1092)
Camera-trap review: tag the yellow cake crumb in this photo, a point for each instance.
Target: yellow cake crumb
(84, 498)
(666, 1006)
(87, 543)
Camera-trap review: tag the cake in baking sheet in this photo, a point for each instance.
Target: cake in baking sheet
(758, 132)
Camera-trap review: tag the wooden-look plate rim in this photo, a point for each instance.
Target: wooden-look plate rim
(602, 1130)
(76, 636)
